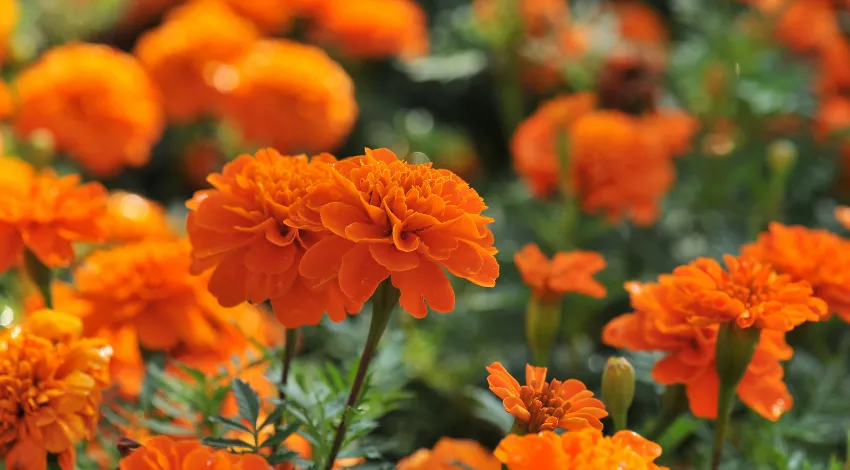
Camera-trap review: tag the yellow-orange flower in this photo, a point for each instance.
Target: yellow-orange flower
(164, 453)
(292, 97)
(447, 453)
(241, 230)
(543, 406)
(50, 389)
(373, 29)
(566, 272)
(747, 291)
(97, 102)
(8, 23)
(45, 213)
(583, 450)
(659, 323)
(130, 218)
(392, 219)
(190, 56)
(817, 257)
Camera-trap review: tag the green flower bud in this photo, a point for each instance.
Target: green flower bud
(618, 389)
(542, 322)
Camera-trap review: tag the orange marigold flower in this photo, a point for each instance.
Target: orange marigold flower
(190, 56)
(807, 25)
(50, 389)
(8, 23)
(97, 102)
(7, 103)
(817, 257)
(833, 116)
(164, 453)
(447, 453)
(45, 213)
(639, 22)
(291, 96)
(130, 217)
(538, 16)
(392, 219)
(271, 16)
(585, 449)
(241, 230)
(567, 272)
(747, 292)
(373, 29)
(659, 323)
(543, 406)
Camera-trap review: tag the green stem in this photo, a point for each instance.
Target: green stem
(620, 420)
(383, 301)
(674, 402)
(40, 275)
(287, 356)
(724, 413)
(53, 462)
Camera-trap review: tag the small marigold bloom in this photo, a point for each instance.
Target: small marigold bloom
(538, 16)
(130, 218)
(45, 214)
(807, 25)
(50, 389)
(164, 453)
(543, 406)
(447, 453)
(659, 323)
(373, 29)
(292, 97)
(639, 23)
(189, 56)
(241, 230)
(8, 23)
(566, 272)
(581, 450)
(817, 257)
(392, 219)
(747, 292)
(97, 102)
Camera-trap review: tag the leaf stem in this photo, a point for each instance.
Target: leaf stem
(40, 275)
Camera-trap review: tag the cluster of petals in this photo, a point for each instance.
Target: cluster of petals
(658, 323)
(130, 218)
(8, 21)
(51, 379)
(373, 29)
(566, 272)
(290, 96)
(46, 213)
(448, 453)
(241, 230)
(818, 257)
(98, 103)
(390, 219)
(190, 56)
(543, 406)
(580, 450)
(620, 165)
(165, 453)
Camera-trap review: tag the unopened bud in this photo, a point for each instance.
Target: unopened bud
(618, 389)
(542, 321)
(781, 155)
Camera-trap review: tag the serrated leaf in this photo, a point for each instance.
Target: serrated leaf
(282, 456)
(230, 423)
(247, 401)
(272, 419)
(199, 376)
(225, 443)
(280, 435)
(170, 409)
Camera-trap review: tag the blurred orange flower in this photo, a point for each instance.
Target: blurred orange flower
(241, 230)
(392, 219)
(373, 29)
(50, 389)
(164, 453)
(7, 104)
(638, 22)
(45, 213)
(271, 16)
(190, 56)
(833, 116)
(584, 449)
(8, 23)
(130, 218)
(567, 272)
(659, 323)
(291, 96)
(543, 406)
(817, 257)
(447, 453)
(538, 16)
(806, 25)
(97, 102)
(833, 74)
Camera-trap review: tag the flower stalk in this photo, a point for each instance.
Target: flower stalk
(674, 402)
(287, 356)
(383, 302)
(40, 275)
(542, 320)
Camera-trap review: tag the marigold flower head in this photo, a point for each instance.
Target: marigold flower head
(45, 213)
(373, 29)
(584, 449)
(447, 453)
(639, 22)
(130, 218)
(538, 16)
(392, 219)
(566, 272)
(8, 22)
(241, 230)
(97, 102)
(833, 116)
(190, 56)
(659, 323)
(50, 389)
(817, 257)
(291, 96)
(543, 406)
(806, 25)
(165, 453)
(833, 75)
(270, 16)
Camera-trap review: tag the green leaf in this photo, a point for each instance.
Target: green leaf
(280, 435)
(282, 456)
(272, 419)
(248, 401)
(230, 423)
(199, 376)
(224, 443)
